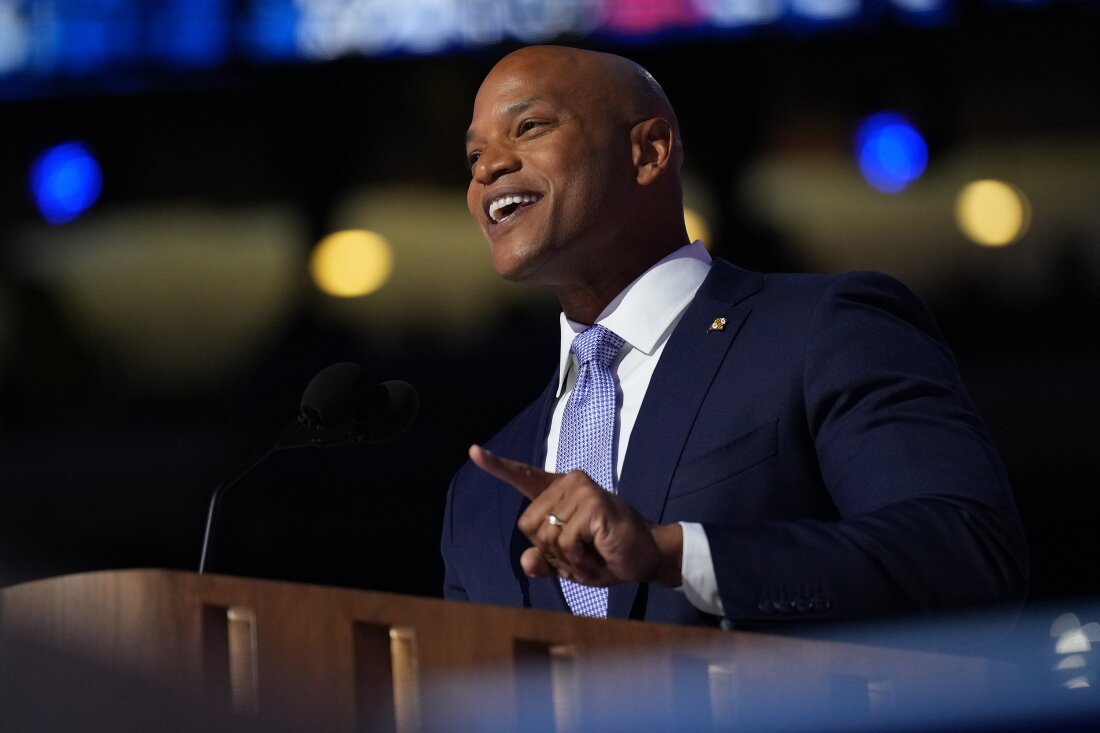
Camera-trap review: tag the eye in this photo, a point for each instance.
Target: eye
(529, 125)
(472, 158)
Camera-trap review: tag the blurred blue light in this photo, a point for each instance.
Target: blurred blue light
(191, 33)
(55, 45)
(892, 154)
(269, 30)
(826, 10)
(924, 12)
(65, 181)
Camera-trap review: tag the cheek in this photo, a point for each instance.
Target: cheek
(582, 200)
(473, 203)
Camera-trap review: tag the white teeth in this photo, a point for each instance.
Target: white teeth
(498, 204)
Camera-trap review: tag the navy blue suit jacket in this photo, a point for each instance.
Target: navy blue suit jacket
(823, 439)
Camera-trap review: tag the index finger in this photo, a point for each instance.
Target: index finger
(527, 479)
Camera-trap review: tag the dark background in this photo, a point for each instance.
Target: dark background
(96, 472)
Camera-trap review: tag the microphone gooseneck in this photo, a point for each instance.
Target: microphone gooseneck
(338, 407)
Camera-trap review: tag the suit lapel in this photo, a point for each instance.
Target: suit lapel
(544, 593)
(680, 383)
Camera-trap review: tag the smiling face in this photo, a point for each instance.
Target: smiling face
(551, 166)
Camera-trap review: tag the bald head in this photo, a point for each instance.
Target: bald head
(574, 172)
(617, 86)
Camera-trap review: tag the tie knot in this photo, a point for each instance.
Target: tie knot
(597, 343)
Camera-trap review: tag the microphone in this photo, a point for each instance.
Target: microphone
(339, 398)
(338, 407)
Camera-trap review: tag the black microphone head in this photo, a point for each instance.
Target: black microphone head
(340, 397)
(334, 396)
(389, 409)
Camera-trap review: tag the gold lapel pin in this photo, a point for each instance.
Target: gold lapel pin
(718, 324)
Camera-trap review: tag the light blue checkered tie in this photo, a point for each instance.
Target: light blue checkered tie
(588, 437)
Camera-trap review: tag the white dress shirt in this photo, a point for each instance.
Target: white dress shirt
(644, 315)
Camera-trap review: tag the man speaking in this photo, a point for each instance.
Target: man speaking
(717, 446)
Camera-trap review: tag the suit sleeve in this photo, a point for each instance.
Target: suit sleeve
(925, 516)
(453, 589)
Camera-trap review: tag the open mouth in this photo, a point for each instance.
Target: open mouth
(505, 206)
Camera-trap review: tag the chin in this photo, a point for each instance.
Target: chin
(513, 264)
(513, 271)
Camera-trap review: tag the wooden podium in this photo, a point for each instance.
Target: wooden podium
(304, 657)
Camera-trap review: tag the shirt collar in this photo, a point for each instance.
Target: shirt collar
(644, 311)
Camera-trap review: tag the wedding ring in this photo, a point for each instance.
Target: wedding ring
(555, 520)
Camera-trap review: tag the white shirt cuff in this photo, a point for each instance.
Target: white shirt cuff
(700, 584)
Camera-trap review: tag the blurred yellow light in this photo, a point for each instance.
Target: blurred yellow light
(351, 263)
(992, 213)
(696, 226)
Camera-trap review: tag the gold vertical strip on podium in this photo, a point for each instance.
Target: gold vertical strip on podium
(546, 686)
(723, 701)
(563, 688)
(243, 676)
(406, 676)
(387, 688)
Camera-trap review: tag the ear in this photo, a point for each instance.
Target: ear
(652, 143)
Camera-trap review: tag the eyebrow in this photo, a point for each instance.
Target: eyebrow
(511, 111)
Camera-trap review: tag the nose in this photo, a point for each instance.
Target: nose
(495, 161)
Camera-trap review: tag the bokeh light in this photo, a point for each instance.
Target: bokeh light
(992, 213)
(891, 151)
(824, 10)
(351, 263)
(697, 227)
(65, 181)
